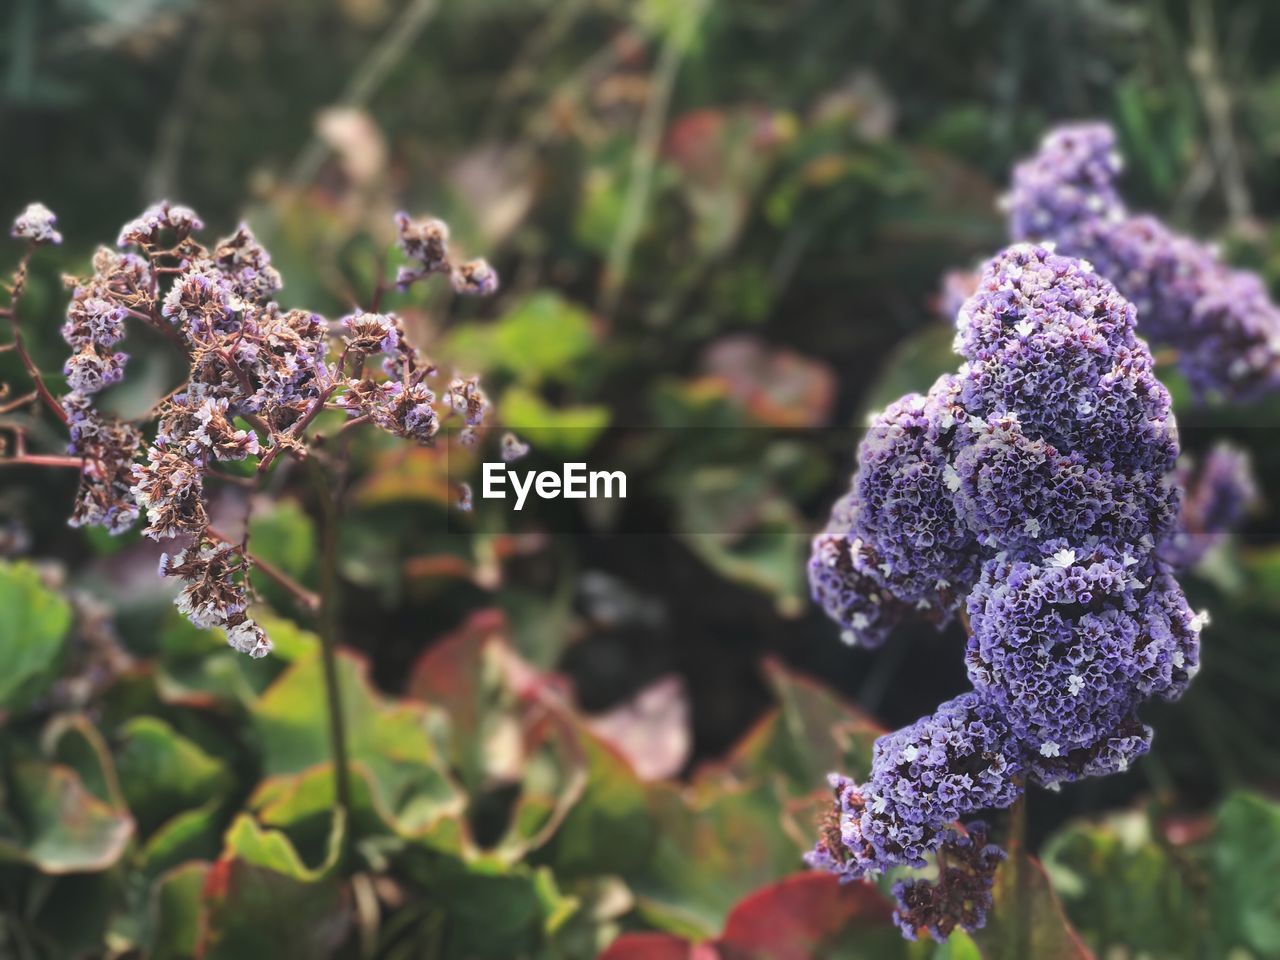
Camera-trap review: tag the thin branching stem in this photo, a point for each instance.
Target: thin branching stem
(305, 598)
(42, 460)
(20, 345)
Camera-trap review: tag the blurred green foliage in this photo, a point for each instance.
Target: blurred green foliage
(724, 224)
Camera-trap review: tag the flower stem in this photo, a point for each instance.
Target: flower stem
(20, 345)
(329, 629)
(42, 460)
(1020, 921)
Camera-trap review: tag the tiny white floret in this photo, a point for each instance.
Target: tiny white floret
(1063, 558)
(951, 478)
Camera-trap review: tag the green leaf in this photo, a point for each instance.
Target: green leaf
(60, 826)
(196, 668)
(251, 911)
(174, 912)
(1244, 866)
(712, 848)
(71, 739)
(810, 734)
(600, 904)
(72, 912)
(1050, 936)
(483, 913)
(289, 641)
(552, 429)
(33, 624)
(248, 842)
(675, 20)
(769, 559)
(609, 830)
(191, 835)
(1121, 889)
(689, 854)
(600, 208)
(302, 806)
(544, 337)
(411, 788)
(163, 773)
(959, 946)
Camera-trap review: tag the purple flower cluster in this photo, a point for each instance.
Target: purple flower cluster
(841, 574)
(1013, 490)
(1035, 489)
(920, 547)
(1217, 497)
(259, 375)
(1221, 321)
(959, 759)
(1054, 427)
(1068, 645)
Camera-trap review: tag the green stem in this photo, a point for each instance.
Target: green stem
(329, 630)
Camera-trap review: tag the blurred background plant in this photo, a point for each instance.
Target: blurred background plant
(723, 230)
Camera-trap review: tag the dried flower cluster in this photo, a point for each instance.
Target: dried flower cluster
(961, 896)
(1222, 322)
(1036, 490)
(259, 376)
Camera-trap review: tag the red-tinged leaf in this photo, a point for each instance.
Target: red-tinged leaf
(408, 474)
(811, 733)
(774, 385)
(464, 676)
(1050, 935)
(446, 674)
(656, 946)
(438, 566)
(508, 724)
(694, 141)
(1182, 831)
(803, 917)
(792, 919)
(217, 881)
(652, 730)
